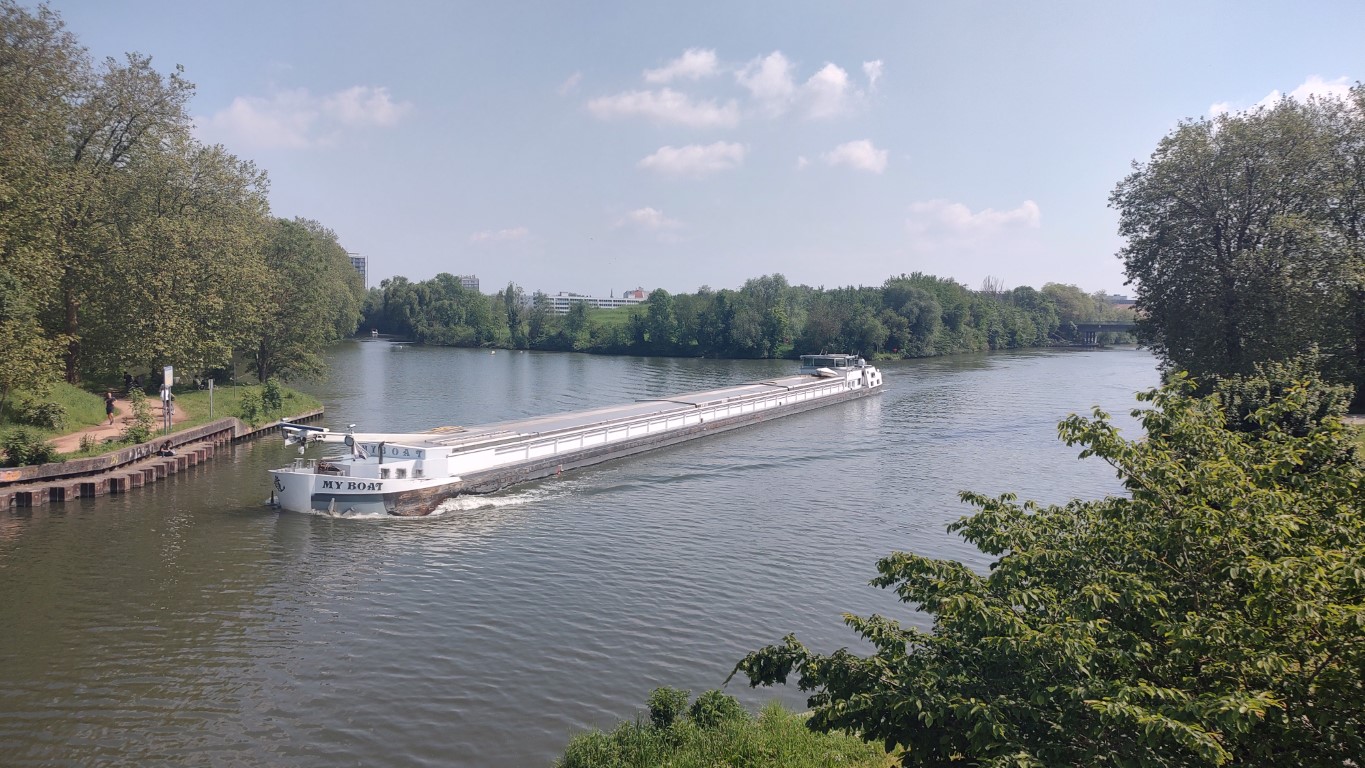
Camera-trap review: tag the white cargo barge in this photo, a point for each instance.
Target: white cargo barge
(412, 473)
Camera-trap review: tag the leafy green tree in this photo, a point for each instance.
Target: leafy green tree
(28, 362)
(1243, 237)
(126, 114)
(1213, 616)
(312, 298)
(574, 331)
(661, 324)
(184, 274)
(540, 320)
(517, 307)
(41, 69)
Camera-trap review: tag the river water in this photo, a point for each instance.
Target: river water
(188, 624)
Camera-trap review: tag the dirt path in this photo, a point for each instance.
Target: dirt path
(123, 414)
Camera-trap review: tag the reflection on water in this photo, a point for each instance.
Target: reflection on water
(188, 624)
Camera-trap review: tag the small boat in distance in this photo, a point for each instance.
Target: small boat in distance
(412, 473)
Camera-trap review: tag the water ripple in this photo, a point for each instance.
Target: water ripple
(187, 625)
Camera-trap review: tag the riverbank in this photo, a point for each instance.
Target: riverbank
(129, 467)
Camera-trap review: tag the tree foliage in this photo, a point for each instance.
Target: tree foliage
(124, 242)
(1245, 239)
(1213, 616)
(913, 315)
(311, 297)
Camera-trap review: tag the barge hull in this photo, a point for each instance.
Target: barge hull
(411, 474)
(424, 501)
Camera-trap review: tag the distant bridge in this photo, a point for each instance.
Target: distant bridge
(1090, 332)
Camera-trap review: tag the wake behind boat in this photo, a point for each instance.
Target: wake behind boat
(412, 473)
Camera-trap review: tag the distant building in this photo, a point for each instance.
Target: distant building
(360, 265)
(470, 282)
(560, 302)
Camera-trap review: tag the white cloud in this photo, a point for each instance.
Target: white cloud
(694, 159)
(513, 235)
(947, 218)
(570, 84)
(1314, 86)
(947, 238)
(667, 106)
(862, 155)
(801, 162)
(873, 70)
(826, 93)
(296, 119)
(694, 64)
(769, 82)
(649, 218)
(1339, 88)
(365, 105)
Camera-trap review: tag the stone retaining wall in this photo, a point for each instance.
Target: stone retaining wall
(127, 468)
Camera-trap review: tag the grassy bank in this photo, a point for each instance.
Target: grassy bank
(85, 409)
(714, 736)
(227, 401)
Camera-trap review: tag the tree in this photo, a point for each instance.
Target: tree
(42, 68)
(1215, 615)
(27, 361)
(517, 307)
(129, 115)
(183, 279)
(1244, 239)
(660, 322)
(313, 298)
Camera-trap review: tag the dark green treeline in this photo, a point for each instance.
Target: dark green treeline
(126, 244)
(913, 315)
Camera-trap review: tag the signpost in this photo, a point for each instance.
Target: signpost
(167, 399)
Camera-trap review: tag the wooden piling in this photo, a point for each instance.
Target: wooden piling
(31, 497)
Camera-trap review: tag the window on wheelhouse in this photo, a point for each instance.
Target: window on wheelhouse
(826, 361)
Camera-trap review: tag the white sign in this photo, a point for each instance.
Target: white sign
(168, 375)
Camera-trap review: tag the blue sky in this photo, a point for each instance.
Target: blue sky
(597, 147)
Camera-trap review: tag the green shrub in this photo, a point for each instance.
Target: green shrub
(666, 704)
(43, 414)
(249, 407)
(139, 430)
(713, 708)
(777, 737)
(23, 448)
(272, 399)
(88, 443)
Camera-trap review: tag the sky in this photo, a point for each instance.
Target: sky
(598, 147)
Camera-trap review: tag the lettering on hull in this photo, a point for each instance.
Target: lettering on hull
(350, 485)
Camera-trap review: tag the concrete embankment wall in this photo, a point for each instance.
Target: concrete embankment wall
(127, 468)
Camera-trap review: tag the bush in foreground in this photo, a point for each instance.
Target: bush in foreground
(23, 447)
(1215, 615)
(716, 731)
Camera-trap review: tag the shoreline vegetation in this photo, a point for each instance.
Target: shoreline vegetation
(908, 316)
(716, 730)
(128, 246)
(84, 424)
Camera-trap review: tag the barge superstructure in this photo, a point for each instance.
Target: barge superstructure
(412, 473)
